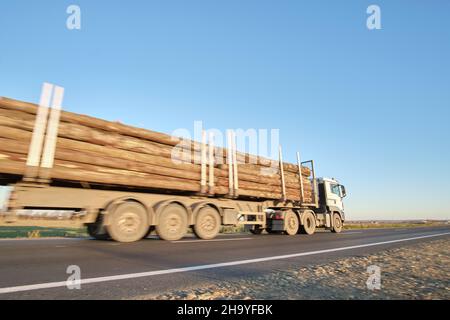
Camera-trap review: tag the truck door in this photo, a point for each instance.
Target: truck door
(334, 196)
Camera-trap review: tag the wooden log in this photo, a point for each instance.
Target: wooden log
(96, 159)
(27, 125)
(9, 165)
(91, 173)
(123, 154)
(15, 134)
(9, 145)
(265, 171)
(263, 179)
(264, 187)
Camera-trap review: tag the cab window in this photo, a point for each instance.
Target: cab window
(335, 189)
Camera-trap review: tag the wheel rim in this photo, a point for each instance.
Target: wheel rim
(128, 223)
(291, 224)
(337, 223)
(310, 224)
(173, 223)
(208, 223)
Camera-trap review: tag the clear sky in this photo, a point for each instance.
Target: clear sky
(372, 107)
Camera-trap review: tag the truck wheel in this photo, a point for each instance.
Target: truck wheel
(97, 231)
(128, 222)
(291, 223)
(309, 223)
(173, 223)
(149, 231)
(256, 230)
(207, 224)
(337, 223)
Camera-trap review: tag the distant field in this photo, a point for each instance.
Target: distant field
(365, 225)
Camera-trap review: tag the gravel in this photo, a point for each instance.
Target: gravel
(410, 272)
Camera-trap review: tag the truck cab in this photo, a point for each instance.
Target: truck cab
(330, 196)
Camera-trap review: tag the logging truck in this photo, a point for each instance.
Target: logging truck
(122, 182)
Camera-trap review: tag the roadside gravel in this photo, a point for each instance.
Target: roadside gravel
(410, 272)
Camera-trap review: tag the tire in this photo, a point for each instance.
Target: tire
(337, 223)
(309, 223)
(128, 222)
(149, 231)
(291, 223)
(173, 223)
(256, 230)
(97, 231)
(207, 224)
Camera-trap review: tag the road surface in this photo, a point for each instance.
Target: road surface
(37, 269)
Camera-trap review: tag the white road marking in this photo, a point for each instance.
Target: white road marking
(204, 267)
(212, 240)
(352, 232)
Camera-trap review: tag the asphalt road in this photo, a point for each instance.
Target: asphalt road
(37, 269)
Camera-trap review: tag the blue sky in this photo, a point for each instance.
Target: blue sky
(371, 107)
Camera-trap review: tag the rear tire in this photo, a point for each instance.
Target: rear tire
(97, 231)
(291, 222)
(149, 231)
(207, 224)
(309, 223)
(337, 223)
(256, 230)
(173, 223)
(128, 222)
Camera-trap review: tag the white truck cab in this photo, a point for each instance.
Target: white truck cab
(331, 195)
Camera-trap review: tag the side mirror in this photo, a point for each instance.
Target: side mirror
(343, 192)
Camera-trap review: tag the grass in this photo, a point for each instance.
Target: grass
(355, 225)
(41, 232)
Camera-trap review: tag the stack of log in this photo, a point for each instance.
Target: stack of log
(98, 152)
